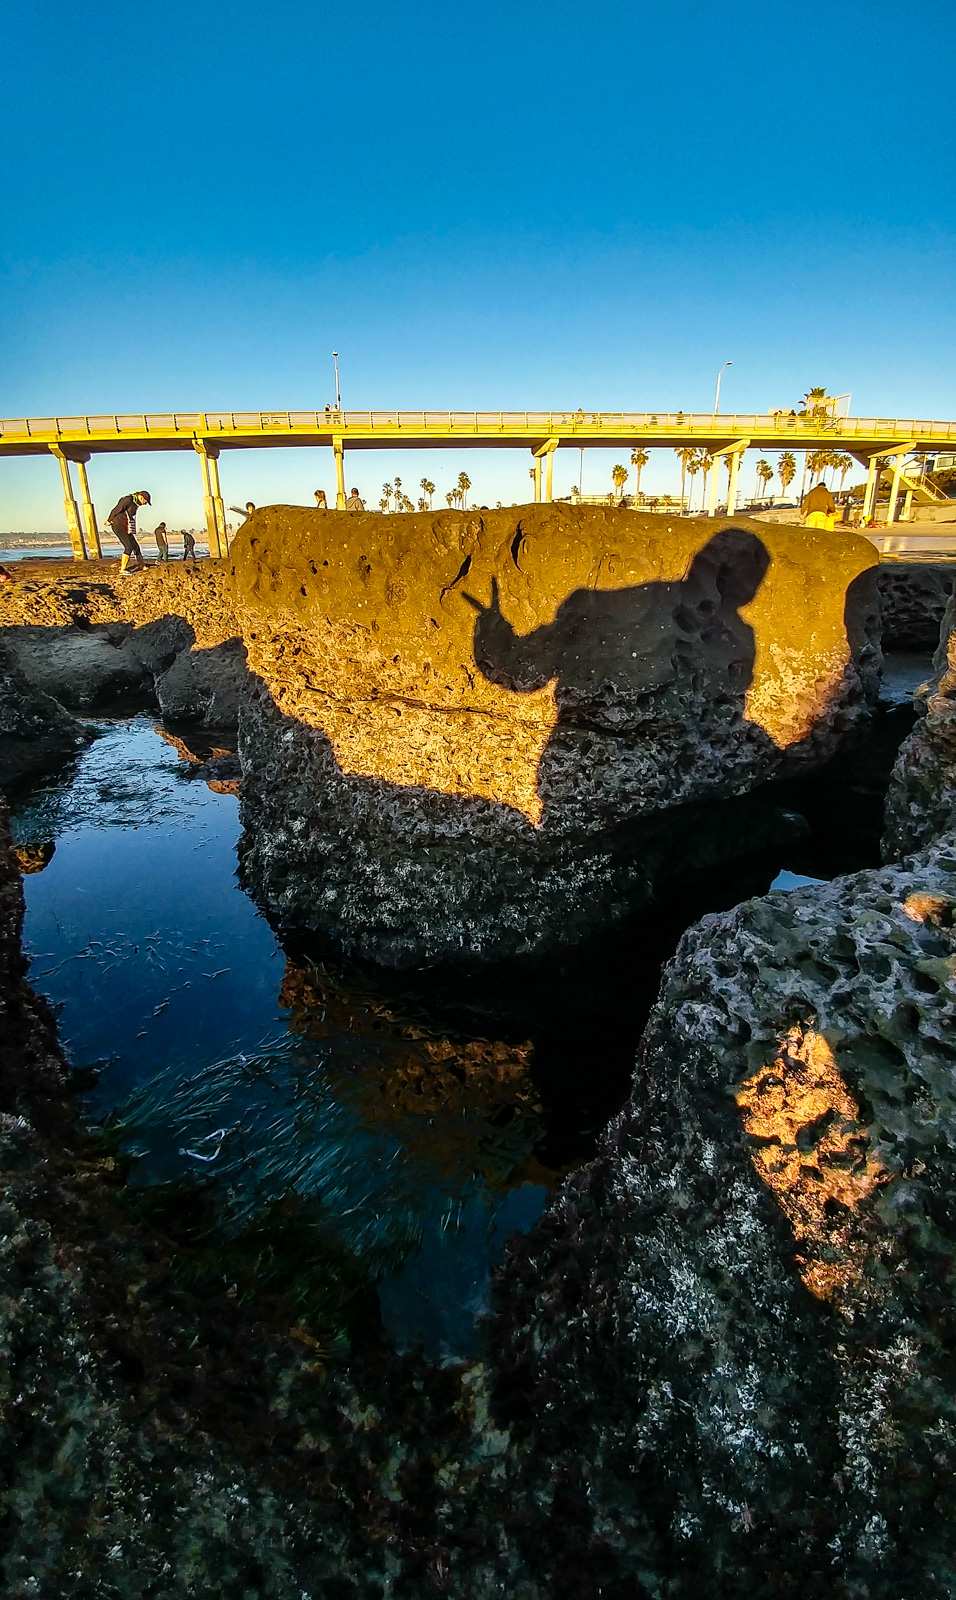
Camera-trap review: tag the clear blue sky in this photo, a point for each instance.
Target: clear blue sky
(500, 206)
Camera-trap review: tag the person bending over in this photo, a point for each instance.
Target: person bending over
(122, 521)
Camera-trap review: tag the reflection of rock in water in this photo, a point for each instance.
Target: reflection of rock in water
(34, 857)
(460, 1105)
(215, 762)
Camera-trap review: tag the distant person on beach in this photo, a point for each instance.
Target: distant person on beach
(122, 521)
(320, 501)
(354, 501)
(189, 546)
(162, 542)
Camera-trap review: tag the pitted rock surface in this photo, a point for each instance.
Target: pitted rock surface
(459, 717)
(913, 596)
(922, 796)
(730, 1338)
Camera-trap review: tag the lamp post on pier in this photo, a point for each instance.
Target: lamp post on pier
(720, 374)
(338, 391)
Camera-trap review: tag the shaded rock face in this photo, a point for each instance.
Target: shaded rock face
(913, 596)
(729, 1341)
(460, 720)
(36, 732)
(169, 636)
(84, 668)
(921, 802)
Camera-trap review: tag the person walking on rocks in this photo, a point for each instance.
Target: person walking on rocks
(189, 546)
(122, 521)
(162, 541)
(354, 501)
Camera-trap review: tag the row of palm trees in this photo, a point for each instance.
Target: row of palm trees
(694, 460)
(395, 498)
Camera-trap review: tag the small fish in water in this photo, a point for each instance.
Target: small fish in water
(201, 1153)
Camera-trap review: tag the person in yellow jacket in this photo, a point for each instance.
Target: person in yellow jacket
(818, 507)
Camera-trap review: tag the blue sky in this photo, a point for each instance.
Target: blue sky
(510, 206)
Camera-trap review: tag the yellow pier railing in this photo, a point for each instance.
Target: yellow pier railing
(877, 443)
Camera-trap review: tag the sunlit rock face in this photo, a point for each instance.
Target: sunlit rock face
(460, 719)
(922, 797)
(730, 1338)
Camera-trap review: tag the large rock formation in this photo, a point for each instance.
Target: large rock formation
(463, 722)
(922, 797)
(726, 1350)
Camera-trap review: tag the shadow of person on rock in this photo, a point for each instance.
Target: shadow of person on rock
(651, 684)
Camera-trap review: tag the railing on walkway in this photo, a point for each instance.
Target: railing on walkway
(485, 424)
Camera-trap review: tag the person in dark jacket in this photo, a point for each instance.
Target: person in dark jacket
(122, 521)
(162, 541)
(189, 546)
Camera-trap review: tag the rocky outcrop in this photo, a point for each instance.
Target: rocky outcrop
(724, 1351)
(84, 668)
(913, 596)
(36, 732)
(167, 635)
(922, 796)
(462, 723)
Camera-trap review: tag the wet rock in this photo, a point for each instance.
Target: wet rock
(84, 668)
(921, 802)
(36, 733)
(728, 1338)
(205, 686)
(460, 721)
(32, 858)
(913, 596)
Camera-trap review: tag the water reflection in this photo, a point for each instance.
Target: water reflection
(275, 1086)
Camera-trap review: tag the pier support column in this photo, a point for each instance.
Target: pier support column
(222, 537)
(70, 507)
(94, 549)
(869, 493)
(544, 452)
(907, 514)
(338, 450)
(209, 506)
(713, 486)
(895, 488)
(735, 460)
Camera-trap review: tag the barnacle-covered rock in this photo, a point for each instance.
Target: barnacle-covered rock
(922, 797)
(733, 1331)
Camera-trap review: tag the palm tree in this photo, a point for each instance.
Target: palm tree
(693, 467)
(685, 455)
(842, 464)
(383, 503)
(706, 462)
(786, 469)
(764, 473)
(813, 401)
(428, 488)
(818, 461)
(639, 460)
(450, 497)
(398, 491)
(386, 495)
(464, 484)
(422, 503)
(619, 479)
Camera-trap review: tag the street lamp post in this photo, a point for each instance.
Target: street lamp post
(338, 391)
(717, 387)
